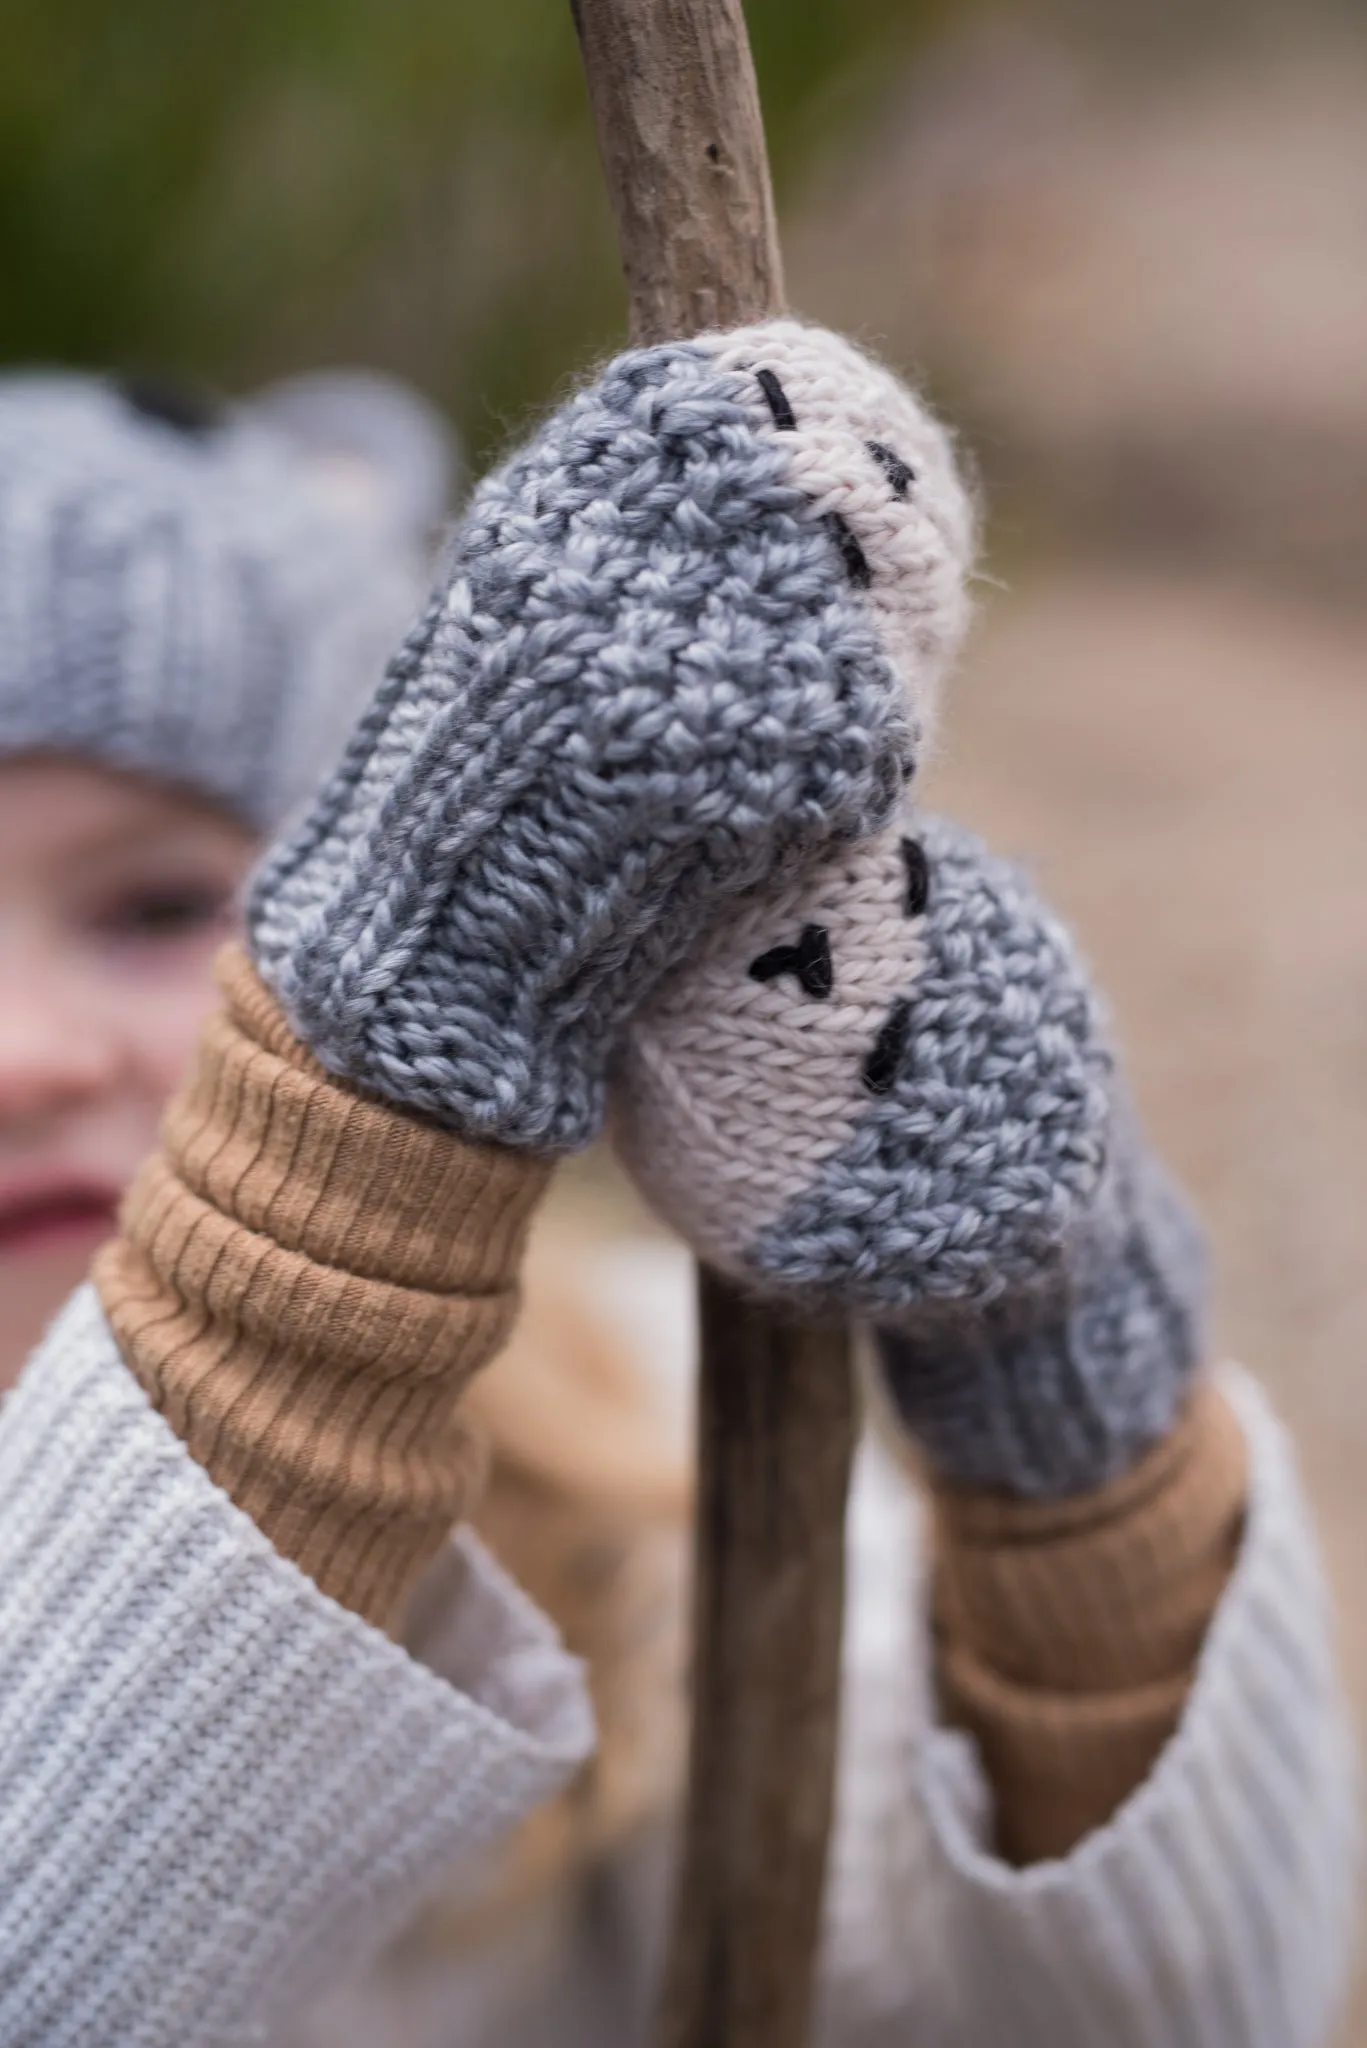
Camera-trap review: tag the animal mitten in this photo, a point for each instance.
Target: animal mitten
(685, 644)
(886, 1088)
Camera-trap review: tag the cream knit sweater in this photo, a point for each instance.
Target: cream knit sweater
(218, 1786)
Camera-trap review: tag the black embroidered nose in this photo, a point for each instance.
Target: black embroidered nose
(809, 960)
(899, 474)
(885, 1058)
(918, 878)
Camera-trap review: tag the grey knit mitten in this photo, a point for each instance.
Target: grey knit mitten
(685, 644)
(888, 1088)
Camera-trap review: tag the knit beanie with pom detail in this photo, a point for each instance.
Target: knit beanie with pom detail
(205, 595)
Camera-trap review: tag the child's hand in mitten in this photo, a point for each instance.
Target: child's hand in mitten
(887, 1089)
(685, 644)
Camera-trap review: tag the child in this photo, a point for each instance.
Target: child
(628, 812)
(192, 603)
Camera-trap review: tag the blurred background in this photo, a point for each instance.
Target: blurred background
(1125, 247)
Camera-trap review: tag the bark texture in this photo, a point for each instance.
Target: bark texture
(674, 98)
(676, 106)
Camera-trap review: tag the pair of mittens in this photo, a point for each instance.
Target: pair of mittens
(632, 806)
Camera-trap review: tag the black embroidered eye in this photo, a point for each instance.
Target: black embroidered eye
(851, 554)
(776, 398)
(899, 474)
(918, 878)
(880, 1068)
(809, 960)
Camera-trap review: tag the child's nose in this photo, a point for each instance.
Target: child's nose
(56, 1052)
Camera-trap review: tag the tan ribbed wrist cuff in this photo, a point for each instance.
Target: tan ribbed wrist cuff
(304, 1281)
(1068, 1631)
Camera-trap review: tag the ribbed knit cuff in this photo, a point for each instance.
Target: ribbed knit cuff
(1068, 1632)
(303, 1282)
(1056, 1386)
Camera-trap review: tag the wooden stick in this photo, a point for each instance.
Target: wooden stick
(674, 99)
(677, 110)
(775, 1434)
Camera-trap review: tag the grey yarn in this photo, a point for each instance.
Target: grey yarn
(1058, 1385)
(199, 603)
(641, 686)
(389, 432)
(1038, 1282)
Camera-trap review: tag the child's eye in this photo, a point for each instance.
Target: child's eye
(162, 911)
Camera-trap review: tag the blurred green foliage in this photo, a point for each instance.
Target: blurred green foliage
(237, 188)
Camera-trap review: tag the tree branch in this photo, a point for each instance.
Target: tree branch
(674, 98)
(673, 92)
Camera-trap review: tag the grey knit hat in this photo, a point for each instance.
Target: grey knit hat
(206, 596)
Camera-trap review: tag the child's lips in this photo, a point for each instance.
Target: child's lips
(49, 1218)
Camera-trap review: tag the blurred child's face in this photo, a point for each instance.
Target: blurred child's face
(114, 895)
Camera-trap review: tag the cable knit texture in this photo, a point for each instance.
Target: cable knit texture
(918, 1119)
(217, 1786)
(304, 1283)
(652, 676)
(188, 594)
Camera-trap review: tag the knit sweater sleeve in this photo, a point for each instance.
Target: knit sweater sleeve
(219, 1477)
(304, 1282)
(1214, 1908)
(216, 1782)
(1068, 1632)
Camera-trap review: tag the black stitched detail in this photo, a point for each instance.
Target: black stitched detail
(776, 398)
(809, 960)
(851, 554)
(881, 1066)
(899, 474)
(918, 878)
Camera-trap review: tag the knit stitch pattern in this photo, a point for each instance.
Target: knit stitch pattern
(962, 1176)
(648, 680)
(1055, 1386)
(876, 466)
(1219, 1908)
(736, 1080)
(217, 1785)
(192, 602)
(939, 1143)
